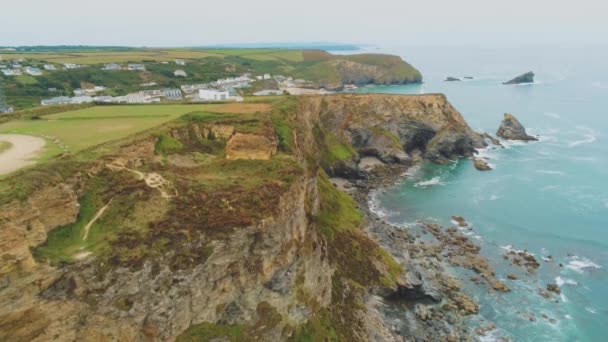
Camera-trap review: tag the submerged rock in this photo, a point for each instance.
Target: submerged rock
(481, 164)
(554, 288)
(511, 129)
(452, 79)
(523, 78)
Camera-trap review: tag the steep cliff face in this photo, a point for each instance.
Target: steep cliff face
(392, 128)
(196, 242)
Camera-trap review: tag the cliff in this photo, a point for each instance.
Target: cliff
(334, 71)
(135, 241)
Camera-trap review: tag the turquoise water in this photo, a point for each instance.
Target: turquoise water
(549, 197)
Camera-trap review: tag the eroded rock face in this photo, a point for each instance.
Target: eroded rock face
(523, 78)
(511, 129)
(265, 263)
(393, 127)
(251, 146)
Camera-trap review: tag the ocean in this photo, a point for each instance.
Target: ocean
(549, 197)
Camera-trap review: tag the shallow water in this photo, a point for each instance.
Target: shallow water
(548, 197)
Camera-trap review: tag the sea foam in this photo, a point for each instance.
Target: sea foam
(589, 136)
(429, 182)
(579, 264)
(561, 281)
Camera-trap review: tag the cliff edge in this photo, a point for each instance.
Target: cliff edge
(227, 226)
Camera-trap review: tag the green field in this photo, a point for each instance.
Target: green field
(156, 55)
(80, 129)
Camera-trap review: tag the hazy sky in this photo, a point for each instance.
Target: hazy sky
(204, 22)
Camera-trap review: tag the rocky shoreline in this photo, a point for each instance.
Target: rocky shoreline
(429, 303)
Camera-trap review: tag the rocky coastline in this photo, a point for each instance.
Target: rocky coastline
(429, 303)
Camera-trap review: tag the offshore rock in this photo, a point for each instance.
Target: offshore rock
(481, 165)
(511, 129)
(524, 78)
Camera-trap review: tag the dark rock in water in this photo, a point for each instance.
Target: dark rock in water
(554, 288)
(524, 78)
(511, 129)
(481, 164)
(452, 79)
(468, 77)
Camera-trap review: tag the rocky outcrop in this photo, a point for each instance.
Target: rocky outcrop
(452, 79)
(523, 78)
(511, 129)
(481, 165)
(393, 128)
(251, 146)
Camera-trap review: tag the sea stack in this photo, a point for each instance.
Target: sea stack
(511, 129)
(452, 79)
(524, 78)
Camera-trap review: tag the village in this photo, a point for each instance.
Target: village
(226, 89)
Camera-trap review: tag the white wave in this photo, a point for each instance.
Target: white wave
(579, 264)
(477, 237)
(563, 298)
(589, 137)
(551, 172)
(429, 182)
(568, 317)
(552, 115)
(512, 143)
(561, 281)
(374, 206)
(509, 248)
(549, 187)
(413, 171)
(591, 310)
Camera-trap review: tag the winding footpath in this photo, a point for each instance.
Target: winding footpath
(22, 152)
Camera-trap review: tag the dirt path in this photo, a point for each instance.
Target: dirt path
(97, 216)
(153, 180)
(22, 152)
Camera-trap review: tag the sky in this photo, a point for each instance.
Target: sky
(204, 22)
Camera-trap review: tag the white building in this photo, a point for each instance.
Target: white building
(11, 72)
(259, 78)
(49, 67)
(79, 92)
(212, 95)
(56, 101)
(180, 62)
(33, 71)
(267, 76)
(172, 93)
(136, 67)
(112, 66)
(180, 73)
(71, 66)
(81, 99)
